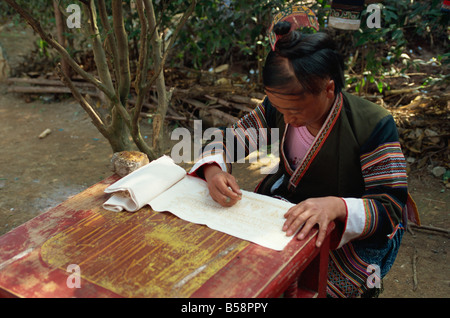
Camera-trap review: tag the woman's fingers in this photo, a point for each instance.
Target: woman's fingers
(224, 189)
(322, 235)
(234, 186)
(305, 229)
(307, 214)
(294, 219)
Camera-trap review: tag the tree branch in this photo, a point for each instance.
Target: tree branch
(122, 45)
(182, 22)
(96, 120)
(60, 35)
(141, 71)
(60, 49)
(143, 49)
(158, 76)
(110, 36)
(99, 52)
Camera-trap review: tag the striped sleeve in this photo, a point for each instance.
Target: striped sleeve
(235, 143)
(379, 212)
(385, 166)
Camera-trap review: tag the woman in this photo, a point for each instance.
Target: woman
(340, 160)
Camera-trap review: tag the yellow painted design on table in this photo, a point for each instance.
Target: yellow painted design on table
(142, 254)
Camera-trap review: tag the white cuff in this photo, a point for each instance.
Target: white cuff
(209, 159)
(356, 220)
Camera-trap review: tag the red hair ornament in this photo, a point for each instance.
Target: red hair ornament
(298, 16)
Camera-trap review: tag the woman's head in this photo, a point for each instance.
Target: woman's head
(302, 62)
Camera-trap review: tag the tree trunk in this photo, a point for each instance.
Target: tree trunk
(121, 126)
(163, 96)
(119, 138)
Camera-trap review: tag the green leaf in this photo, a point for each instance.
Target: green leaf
(380, 87)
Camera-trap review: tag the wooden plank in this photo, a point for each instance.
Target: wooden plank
(46, 82)
(47, 90)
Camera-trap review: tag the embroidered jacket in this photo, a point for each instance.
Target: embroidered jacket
(357, 156)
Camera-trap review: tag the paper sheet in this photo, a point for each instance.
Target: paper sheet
(166, 187)
(255, 217)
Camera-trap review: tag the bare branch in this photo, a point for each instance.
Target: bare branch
(143, 49)
(60, 34)
(122, 45)
(99, 52)
(182, 22)
(158, 76)
(96, 120)
(110, 36)
(141, 72)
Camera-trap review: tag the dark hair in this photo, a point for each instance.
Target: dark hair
(311, 57)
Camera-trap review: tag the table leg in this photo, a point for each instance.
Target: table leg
(313, 280)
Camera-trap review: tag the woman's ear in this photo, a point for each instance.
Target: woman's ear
(330, 89)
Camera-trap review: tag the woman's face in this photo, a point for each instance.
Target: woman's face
(301, 108)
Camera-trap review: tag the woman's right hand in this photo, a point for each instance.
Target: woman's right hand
(222, 186)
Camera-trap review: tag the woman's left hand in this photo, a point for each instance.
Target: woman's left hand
(320, 211)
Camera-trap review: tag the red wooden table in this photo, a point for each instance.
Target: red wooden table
(78, 249)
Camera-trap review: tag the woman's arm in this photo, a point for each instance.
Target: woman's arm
(378, 213)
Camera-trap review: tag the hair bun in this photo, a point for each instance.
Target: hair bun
(282, 28)
(286, 39)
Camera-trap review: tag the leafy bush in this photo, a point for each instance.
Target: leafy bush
(230, 31)
(407, 26)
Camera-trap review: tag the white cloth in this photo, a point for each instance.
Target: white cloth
(141, 186)
(166, 187)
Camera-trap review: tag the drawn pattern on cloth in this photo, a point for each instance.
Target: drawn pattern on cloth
(255, 217)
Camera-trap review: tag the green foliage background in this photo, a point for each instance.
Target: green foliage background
(234, 31)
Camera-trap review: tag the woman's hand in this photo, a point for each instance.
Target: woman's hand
(320, 211)
(222, 186)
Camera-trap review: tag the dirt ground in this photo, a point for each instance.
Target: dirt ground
(37, 174)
